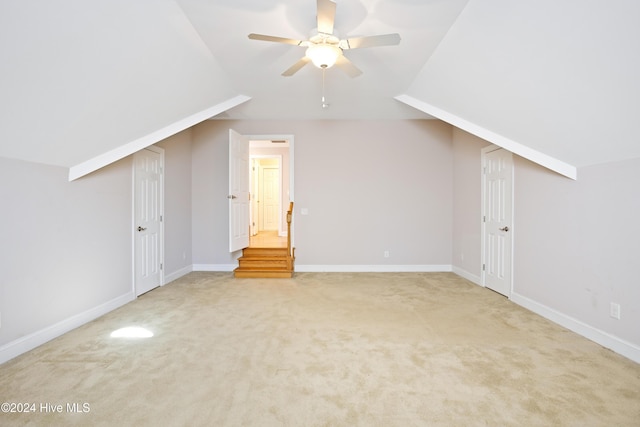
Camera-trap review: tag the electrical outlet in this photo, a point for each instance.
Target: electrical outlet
(386, 254)
(615, 310)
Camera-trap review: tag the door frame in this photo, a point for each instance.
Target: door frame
(483, 176)
(160, 151)
(278, 137)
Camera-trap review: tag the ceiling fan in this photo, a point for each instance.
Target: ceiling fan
(324, 47)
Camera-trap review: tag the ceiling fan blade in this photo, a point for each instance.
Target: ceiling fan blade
(347, 66)
(262, 37)
(371, 41)
(326, 16)
(296, 67)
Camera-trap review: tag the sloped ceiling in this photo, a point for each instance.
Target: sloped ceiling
(84, 83)
(559, 77)
(81, 78)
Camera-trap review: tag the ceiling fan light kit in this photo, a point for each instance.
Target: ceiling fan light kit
(323, 55)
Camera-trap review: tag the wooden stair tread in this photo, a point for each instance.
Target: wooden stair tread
(263, 272)
(270, 263)
(263, 257)
(272, 248)
(262, 269)
(264, 251)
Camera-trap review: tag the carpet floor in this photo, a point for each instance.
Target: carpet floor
(322, 349)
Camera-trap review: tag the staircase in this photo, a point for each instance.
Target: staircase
(268, 262)
(264, 262)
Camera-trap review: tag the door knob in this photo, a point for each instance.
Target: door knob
(504, 229)
(231, 197)
(141, 228)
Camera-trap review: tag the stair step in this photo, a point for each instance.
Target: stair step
(263, 257)
(264, 263)
(264, 272)
(257, 262)
(265, 252)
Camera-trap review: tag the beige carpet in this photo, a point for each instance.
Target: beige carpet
(413, 349)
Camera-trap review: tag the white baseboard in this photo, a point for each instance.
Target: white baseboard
(465, 274)
(620, 346)
(177, 274)
(341, 268)
(214, 267)
(35, 339)
(372, 268)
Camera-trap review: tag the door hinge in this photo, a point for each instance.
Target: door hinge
(160, 266)
(483, 267)
(484, 218)
(160, 218)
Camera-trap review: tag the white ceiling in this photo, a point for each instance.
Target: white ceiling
(255, 67)
(81, 81)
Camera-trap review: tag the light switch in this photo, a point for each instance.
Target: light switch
(304, 211)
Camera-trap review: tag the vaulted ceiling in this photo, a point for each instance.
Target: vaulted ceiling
(83, 83)
(255, 67)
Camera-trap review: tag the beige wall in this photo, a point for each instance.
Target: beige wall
(177, 205)
(576, 243)
(66, 255)
(66, 246)
(369, 186)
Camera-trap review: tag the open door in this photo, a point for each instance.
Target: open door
(239, 201)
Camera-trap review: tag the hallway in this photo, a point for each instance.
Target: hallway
(268, 239)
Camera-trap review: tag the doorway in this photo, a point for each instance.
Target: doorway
(271, 188)
(267, 226)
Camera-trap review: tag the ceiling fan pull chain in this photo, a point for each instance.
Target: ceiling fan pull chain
(324, 102)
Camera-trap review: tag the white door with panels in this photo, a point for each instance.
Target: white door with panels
(239, 184)
(148, 207)
(254, 215)
(270, 198)
(497, 219)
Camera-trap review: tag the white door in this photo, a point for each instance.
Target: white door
(498, 221)
(148, 188)
(255, 190)
(239, 203)
(270, 198)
